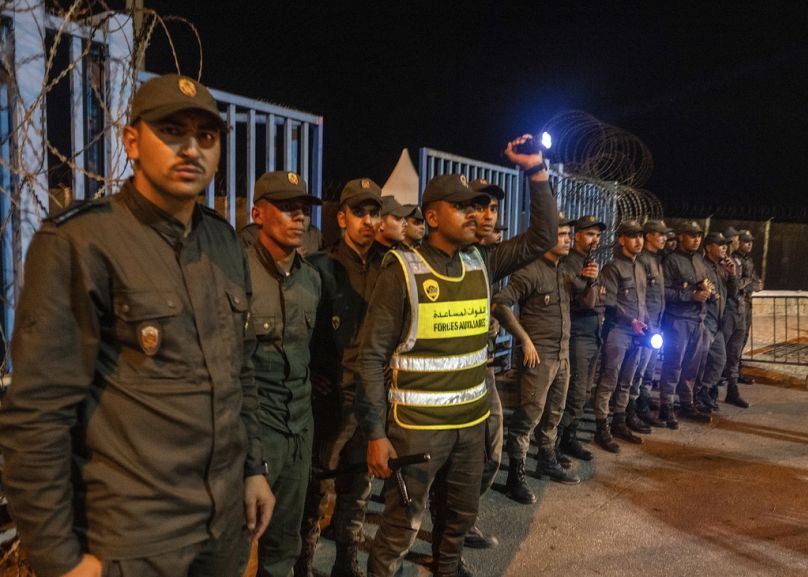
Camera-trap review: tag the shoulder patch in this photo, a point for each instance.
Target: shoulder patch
(76, 208)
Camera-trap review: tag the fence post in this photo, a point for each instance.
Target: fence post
(29, 125)
(119, 37)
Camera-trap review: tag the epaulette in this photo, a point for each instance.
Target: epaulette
(213, 212)
(76, 208)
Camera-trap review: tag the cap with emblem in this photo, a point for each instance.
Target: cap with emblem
(672, 235)
(745, 236)
(629, 228)
(731, 232)
(689, 227)
(484, 185)
(589, 221)
(415, 212)
(170, 93)
(281, 185)
(716, 238)
(451, 188)
(391, 206)
(564, 221)
(360, 190)
(656, 226)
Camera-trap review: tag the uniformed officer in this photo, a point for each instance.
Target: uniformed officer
(131, 439)
(751, 284)
(485, 219)
(650, 258)
(624, 328)
(670, 243)
(393, 224)
(416, 229)
(428, 317)
(585, 327)
(721, 271)
(686, 293)
(733, 325)
(286, 293)
(349, 270)
(542, 291)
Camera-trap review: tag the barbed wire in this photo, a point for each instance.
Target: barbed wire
(35, 169)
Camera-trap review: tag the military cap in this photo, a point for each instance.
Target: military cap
(672, 235)
(360, 190)
(483, 185)
(563, 220)
(656, 226)
(500, 227)
(282, 185)
(588, 221)
(391, 206)
(415, 211)
(689, 226)
(745, 236)
(164, 95)
(716, 238)
(451, 188)
(731, 232)
(629, 228)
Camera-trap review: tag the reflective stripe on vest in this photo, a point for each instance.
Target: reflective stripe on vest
(415, 364)
(439, 367)
(424, 399)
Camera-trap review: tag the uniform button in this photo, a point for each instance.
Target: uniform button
(125, 308)
(170, 304)
(236, 300)
(266, 326)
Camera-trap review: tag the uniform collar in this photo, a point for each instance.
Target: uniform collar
(150, 214)
(270, 264)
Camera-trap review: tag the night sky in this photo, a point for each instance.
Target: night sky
(717, 91)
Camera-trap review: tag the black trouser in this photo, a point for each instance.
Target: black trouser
(494, 434)
(680, 363)
(584, 351)
(338, 443)
(456, 468)
(713, 362)
(289, 458)
(734, 328)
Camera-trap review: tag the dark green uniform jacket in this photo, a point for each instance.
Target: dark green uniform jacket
(654, 286)
(542, 291)
(284, 308)
(133, 401)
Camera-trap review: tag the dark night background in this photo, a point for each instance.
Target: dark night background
(717, 91)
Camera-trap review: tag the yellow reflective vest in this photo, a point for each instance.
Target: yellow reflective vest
(439, 367)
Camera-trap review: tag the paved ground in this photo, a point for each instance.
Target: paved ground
(728, 499)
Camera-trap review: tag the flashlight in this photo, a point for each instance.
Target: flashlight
(534, 144)
(655, 340)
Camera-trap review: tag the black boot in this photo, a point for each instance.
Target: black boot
(304, 562)
(621, 430)
(667, 416)
(691, 413)
(705, 398)
(633, 421)
(572, 446)
(548, 466)
(734, 396)
(603, 436)
(346, 564)
(643, 410)
(477, 539)
(516, 486)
